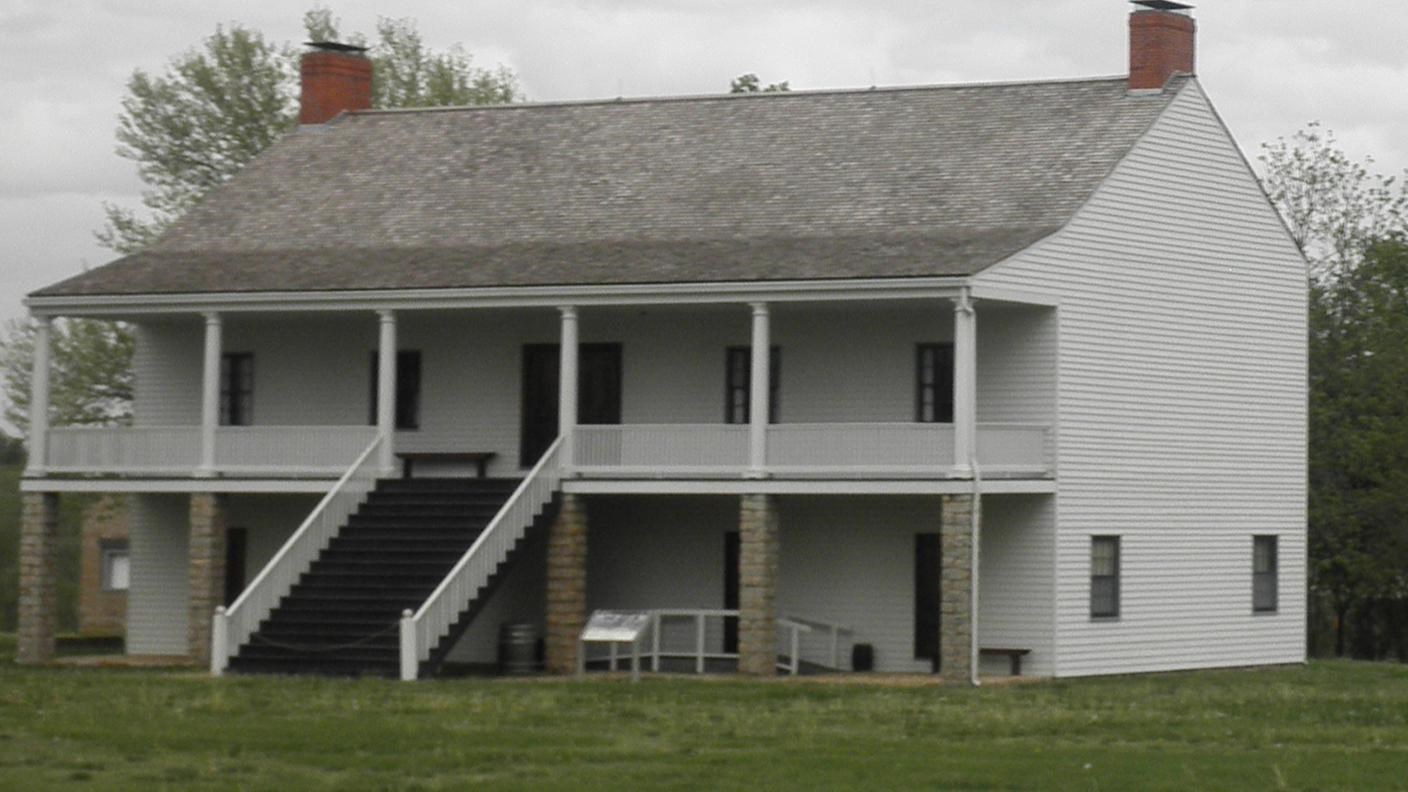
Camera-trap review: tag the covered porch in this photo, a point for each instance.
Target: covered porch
(798, 389)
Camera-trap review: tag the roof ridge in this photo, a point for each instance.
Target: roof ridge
(728, 97)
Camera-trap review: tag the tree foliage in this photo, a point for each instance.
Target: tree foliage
(1334, 207)
(1359, 451)
(749, 83)
(90, 372)
(194, 125)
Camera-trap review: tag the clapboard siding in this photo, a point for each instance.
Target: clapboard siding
(840, 362)
(166, 368)
(1016, 582)
(158, 596)
(1181, 401)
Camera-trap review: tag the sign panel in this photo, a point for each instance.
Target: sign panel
(607, 625)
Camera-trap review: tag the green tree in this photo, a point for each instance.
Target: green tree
(1333, 206)
(749, 83)
(1359, 451)
(217, 105)
(90, 373)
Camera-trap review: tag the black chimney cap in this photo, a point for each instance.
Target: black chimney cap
(335, 46)
(1162, 5)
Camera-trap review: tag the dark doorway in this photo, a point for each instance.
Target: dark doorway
(236, 547)
(598, 393)
(928, 557)
(731, 590)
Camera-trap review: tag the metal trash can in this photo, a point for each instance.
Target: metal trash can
(518, 649)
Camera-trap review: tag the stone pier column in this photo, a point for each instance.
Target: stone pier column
(566, 584)
(205, 570)
(38, 601)
(757, 584)
(956, 615)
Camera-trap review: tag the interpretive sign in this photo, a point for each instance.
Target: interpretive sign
(616, 626)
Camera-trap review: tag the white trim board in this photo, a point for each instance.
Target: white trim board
(503, 297)
(805, 487)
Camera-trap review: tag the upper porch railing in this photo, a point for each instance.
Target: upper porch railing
(176, 450)
(807, 450)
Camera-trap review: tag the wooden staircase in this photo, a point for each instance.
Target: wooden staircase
(343, 614)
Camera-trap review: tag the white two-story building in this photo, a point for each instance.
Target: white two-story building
(958, 375)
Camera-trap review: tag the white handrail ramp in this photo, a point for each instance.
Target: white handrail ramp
(423, 629)
(233, 626)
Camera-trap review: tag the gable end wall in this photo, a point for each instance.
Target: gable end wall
(1181, 404)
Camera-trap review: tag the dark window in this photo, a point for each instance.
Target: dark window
(236, 389)
(928, 558)
(407, 389)
(1104, 576)
(236, 542)
(731, 548)
(1263, 573)
(598, 393)
(739, 378)
(933, 377)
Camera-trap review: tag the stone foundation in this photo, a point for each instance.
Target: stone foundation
(956, 590)
(566, 584)
(38, 600)
(757, 584)
(206, 571)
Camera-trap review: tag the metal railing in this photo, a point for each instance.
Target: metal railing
(697, 636)
(233, 626)
(420, 631)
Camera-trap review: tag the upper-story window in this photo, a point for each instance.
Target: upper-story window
(1104, 577)
(933, 378)
(236, 389)
(1264, 573)
(739, 374)
(407, 389)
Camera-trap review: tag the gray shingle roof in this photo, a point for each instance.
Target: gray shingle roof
(839, 184)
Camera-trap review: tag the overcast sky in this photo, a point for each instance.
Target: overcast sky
(1269, 65)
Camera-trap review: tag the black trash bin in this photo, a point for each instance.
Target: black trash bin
(518, 649)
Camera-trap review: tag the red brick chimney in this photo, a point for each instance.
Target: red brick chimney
(1161, 41)
(336, 78)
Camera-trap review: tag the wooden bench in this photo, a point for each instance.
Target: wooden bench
(480, 459)
(1013, 655)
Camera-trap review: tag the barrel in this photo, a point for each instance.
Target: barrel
(518, 649)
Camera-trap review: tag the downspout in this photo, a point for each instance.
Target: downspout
(977, 528)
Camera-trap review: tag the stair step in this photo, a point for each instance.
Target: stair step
(439, 524)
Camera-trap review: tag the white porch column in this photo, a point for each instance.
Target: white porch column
(39, 400)
(566, 385)
(386, 392)
(210, 394)
(965, 384)
(758, 390)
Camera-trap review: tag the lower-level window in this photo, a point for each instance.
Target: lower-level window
(1104, 577)
(1263, 573)
(117, 570)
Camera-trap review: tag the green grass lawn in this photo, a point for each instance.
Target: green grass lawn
(1328, 726)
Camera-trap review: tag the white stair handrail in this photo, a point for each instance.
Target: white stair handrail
(432, 621)
(234, 625)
